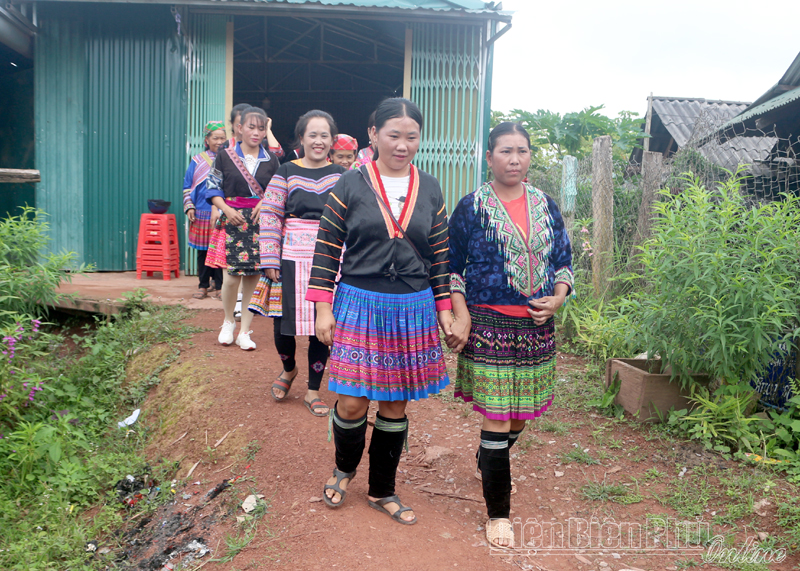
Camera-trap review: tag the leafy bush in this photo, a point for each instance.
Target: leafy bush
(721, 277)
(28, 281)
(722, 421)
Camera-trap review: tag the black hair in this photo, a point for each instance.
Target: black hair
(395, 108)
(237, 110)
(302, 125)
(506, 128)
(371, 120)
(262, 115)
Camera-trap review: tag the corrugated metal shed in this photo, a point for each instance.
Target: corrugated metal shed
(110, 100)
(59, 89)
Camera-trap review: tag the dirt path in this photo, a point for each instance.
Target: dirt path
(211, 391)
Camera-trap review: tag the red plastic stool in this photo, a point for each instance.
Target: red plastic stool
(157, 249)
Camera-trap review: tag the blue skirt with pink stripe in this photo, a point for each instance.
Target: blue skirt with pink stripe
(385, 346)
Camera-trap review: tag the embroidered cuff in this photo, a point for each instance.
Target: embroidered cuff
(564, 276)
(457, 284)
(320, 295)
(444, 305)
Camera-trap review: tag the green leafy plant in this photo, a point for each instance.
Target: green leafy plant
(606, 401)
(29, 279)
(721, 275)
(722, 420)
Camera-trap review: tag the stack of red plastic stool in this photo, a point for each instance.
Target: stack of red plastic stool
(157, 250)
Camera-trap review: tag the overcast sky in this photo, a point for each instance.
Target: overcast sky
(565, 55)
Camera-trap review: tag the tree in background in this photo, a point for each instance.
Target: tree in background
(553, 136)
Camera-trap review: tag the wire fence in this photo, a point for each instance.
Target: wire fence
(607, 204)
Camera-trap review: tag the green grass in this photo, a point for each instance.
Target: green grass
(689, 496)
(64, 464)
(617, 493)
(557, 427)
(579, 456)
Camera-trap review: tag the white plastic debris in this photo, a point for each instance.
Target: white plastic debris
(130, 420)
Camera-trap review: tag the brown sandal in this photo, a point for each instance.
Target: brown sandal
(202, 293)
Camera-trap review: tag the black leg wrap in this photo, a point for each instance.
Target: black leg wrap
(512, 437)
(349, 437)
(388, 438)
(496, 471)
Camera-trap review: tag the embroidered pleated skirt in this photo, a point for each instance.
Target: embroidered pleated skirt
(385, 346)
(200, 230)
(266, 298)
(233, 247)
(507, 368)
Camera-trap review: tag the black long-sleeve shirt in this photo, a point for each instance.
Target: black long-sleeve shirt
(376, 255)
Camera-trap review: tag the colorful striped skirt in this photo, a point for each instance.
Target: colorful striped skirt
(507, 369)
(385, 346)
(266, 298)
(200, 230)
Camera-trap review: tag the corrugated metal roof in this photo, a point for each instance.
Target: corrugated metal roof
(680, 115)
(692, 120)
(408, 4)
(766, 107)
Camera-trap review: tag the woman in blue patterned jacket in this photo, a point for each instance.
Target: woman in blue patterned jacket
(511, 270)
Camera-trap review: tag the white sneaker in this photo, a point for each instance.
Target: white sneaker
(243, 341)
(226, 335)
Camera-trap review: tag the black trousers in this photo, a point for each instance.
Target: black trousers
(206, 274)
(317, 355)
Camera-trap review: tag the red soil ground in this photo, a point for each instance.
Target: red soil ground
(211, 391)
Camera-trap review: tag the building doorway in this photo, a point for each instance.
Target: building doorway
(289, 65)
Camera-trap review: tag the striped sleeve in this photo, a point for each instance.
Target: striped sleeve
(187, 187)
(328, 250)
(273, 211)
(440, 268)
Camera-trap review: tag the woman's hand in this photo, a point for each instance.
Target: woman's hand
(273, 275)
(445, 319)
(256, 212)
(234, 216)
(190, 215)
(546, 308)
(325, 324)
(459, 333)
(215, 214)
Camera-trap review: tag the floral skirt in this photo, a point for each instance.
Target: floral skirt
(236, 245)
(507, 369)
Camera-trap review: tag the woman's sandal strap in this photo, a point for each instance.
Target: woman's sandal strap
(339, 475)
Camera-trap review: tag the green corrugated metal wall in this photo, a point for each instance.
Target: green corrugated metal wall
(109, 116)
(446, 84)
(59, 108)
(206, 82)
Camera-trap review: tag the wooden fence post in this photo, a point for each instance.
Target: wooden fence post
(602, 213)
(569, 192)
(652, 170)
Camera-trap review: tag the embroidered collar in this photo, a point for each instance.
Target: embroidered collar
(408, 205)
(525, 261)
